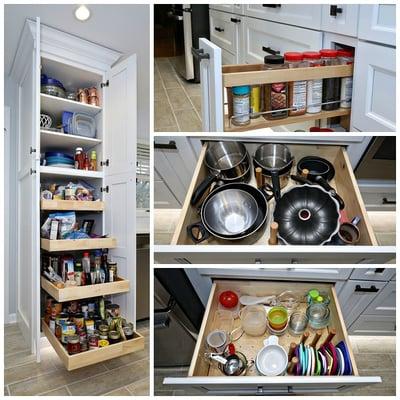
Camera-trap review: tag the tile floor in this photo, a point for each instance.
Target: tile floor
(177, 103)
(123, 376)
(375, 356)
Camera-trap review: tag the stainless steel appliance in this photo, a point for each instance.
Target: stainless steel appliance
(142, 277)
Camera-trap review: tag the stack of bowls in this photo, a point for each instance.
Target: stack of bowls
(277, 320)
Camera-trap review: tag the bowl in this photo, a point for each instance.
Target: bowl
(298, 323)
(272, 359)
(276, 332)
(277, 317)
(318, 315)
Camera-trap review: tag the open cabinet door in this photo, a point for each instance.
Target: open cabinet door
(120, 174)
(212, 107)
(26, 73)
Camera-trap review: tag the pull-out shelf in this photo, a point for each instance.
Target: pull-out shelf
(77, 244)
(71, 205)
(210, 379)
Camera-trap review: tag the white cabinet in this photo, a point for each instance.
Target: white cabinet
(378, 23)
(373, 274)
(373, 325)
(231, 8)
(306, 15)
(374, 88)
(258, 34)
(384, 303)
(340, 18)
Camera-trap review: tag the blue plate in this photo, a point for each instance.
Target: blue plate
(347, 362)
(61, 155)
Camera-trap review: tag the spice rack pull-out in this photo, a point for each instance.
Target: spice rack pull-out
(77, 244)
(71, 205)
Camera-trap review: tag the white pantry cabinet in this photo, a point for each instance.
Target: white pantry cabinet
(231, 8)
(340, 18)
(77, 63)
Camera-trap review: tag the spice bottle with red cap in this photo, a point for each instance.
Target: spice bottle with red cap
(297, 90)
(314, 87)
(346, 57)
(330, 86)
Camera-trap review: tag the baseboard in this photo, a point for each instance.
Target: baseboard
(11, 319)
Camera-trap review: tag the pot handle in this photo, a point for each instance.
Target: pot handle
(203, 231)
(300, 179)
(324, 184)
(201, 189)
(276, 185)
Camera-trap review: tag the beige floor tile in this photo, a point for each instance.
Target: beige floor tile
(188, 121)
(167, 129)
(119, 392)
(62, 391)
(171, 82)
(162, 238)
(367, 344)
(31, 370)
(163, 115)
(111, 380)
(23, 357)
(179, 100)
(141, 388)
(128, 359)
(6, 392)
(15, 344)
(196, 100)
(366, 361)
(193, 89)
(11, 329)
(160, 96)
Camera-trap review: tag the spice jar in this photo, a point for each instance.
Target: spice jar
(255, 101)
(68, 328)
(114, 337)
(241, 105)
(103, 331)
(314, 87)
(78, 274)
(112, 271)
(79, 158)
(346, 57)
(93, 161)
(79, 322)
(73, 345)
(83, 96)
(86, 163)
(330, 86)
(298, 89)
(275, 94)
(93, 341)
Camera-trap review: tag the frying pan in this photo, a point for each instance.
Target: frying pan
(316, 166)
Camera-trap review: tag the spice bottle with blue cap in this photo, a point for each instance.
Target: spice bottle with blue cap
(241, 105)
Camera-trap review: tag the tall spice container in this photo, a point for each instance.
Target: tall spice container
(314, 87)
(297, 90)
(330, 86)
(346, 57)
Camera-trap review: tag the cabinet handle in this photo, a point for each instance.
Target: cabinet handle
(219, 29)
(199, 54)
(272, 5)
(166, 146)
(32, 171)
(235, 20)
(32, 150)
(270, 51)
(371, 289)
(379, 270)
(386, 201)
(335, 10)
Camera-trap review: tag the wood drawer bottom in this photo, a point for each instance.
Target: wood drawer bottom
(92, 356)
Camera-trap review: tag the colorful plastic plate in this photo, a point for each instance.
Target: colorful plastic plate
(341, 361)
(317, 370)
(348, 369)
(323, 362)
(312, 359)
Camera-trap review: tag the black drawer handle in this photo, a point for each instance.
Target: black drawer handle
(270, 51)
(371, 289)
(235, 20)
(166, 146)
(199, 54)
(219, 29)
(272, 5)
(386, 201)
(379, 270)
(335, 10)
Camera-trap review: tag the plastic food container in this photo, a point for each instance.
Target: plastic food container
(82, 125)
(318, 315)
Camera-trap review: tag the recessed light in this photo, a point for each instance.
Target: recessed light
(82, 13)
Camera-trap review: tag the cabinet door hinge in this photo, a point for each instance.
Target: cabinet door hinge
(105, 84)
(105, 163)
(105, 189)
(32, 171)
(32, 150)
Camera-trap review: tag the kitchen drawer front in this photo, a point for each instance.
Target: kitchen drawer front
(374, 81)
(377, 23)
(211, 380)
(231, 8)
(373, 274)
(258, 34)
(356, 296)
(385, 302)
(228, 58)
(340, 18)
(307, 16)
(378, 196)
(163, 197)
(374, 325)
(224, 32)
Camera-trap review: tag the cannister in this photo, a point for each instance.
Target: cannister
(346, 57)
(297, 90)
(241, 105)
(314, 87)
(330, 86)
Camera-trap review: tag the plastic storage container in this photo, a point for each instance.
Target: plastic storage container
(82, 125)
(314, 87)
(241, 105)
(297, 90)
(330, 86)
(346, 57)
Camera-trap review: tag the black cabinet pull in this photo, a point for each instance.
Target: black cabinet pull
(371, 289)
(335, 10)
(219, 29)
(235, 20)
(386, 201)
(379, 270)
(270, 51)
(199, 54)
(166, 146)
(272, 5)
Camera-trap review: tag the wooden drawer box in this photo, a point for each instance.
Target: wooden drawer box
(203, 375)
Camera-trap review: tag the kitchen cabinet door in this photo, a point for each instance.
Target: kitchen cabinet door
(258, 34)
(385, 302)
(340, 18)
(373, 274)
(228, 58)
(223, 31)
(377, 23)
(374, 325)
(305, 15)
(120, 174)
(374, 88)
(231, 8)
(26, 72)
(356, 296)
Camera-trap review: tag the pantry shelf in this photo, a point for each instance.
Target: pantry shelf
(77, 244)
(72, 205)
(57, 105)
(50, 140)
(260, 123)
(69, 172)
(82, 292)
(93, 356)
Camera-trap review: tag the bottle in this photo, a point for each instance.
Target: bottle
(346, 57)
(104, 267)
(97, 266)
(297, 90)
(79, 158)
(241, 105)
(78, 274)
(255, 101)
(330, 86)
(86, 163)
(86, 267)
(93, 161)
(314, 87)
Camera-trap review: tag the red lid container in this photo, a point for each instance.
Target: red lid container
(293, 56)
(311, 55)
(345, 53)
(328, 53)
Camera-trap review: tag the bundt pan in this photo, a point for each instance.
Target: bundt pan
(307, 215)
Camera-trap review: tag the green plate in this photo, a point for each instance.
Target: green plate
(317, 363)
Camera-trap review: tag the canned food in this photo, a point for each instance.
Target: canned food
(79, 322)
(89, 325)
(85, 310)
(112, 271)
(128, 331)
(114, 337)
(103, 331)
(93, 341)
(73, 344)
(52, 325)
(67, 329)
(103, 343)
(56, 309)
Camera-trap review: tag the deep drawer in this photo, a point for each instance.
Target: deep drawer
(223, 32)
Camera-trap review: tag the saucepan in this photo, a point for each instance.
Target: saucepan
(226, 161)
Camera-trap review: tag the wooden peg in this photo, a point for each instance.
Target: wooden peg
(304, 173)
(273, 234)
(293, 365)
(317, 336)
(331, 335)
(259, 177)
(292, 349)
(304, 338)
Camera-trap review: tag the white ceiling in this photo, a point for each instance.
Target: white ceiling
(120, 27)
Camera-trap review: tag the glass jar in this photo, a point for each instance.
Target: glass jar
(346, 57)
(73, 344)
(79, 158)
(275, 94)
(128, 331)
(93, 341)
(103, 331)
(330, 86)
(112, 271)
(93, 161)
(241, 105)
(114, 337)
(297, 90)
(314, 87)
